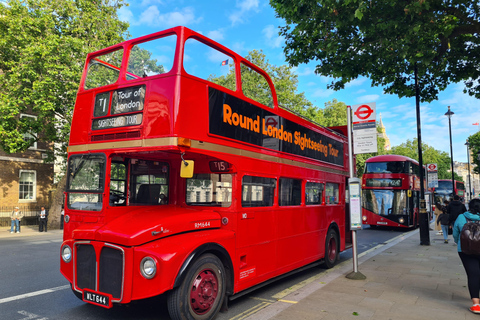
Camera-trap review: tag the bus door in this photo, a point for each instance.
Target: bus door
(256, 228)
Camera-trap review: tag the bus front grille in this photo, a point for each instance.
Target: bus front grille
(110, 269)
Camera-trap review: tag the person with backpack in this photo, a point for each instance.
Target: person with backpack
(455, 208)
(471, 262)
(444, 220)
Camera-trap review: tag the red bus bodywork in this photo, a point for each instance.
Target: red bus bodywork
(391, 191)
(266, 227)
(444, 191)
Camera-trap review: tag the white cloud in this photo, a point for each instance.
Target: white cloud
(274, 40)
(368, 98)
(356, 82)
(244, 7)
(322, 93)
(152, 17)
(125, 15)
(216, 35)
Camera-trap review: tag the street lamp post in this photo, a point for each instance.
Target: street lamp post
(468, 161)
(449, 114)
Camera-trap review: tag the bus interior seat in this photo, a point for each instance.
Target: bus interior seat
(148, 194)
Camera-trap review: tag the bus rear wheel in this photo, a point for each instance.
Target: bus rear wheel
(331, 249)
(201, 293)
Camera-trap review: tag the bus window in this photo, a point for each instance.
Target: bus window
(148, 182)
(255, 86)
(151, 58)
(207, 63)
(103, 70)
(385, 202)
(289, 192)
(85, 182)
(258, 191)
(313, 193)
(118, 177)
(209, 189)
(331, 193)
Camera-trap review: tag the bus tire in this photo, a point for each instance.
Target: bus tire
(201, 293)
(331, 249)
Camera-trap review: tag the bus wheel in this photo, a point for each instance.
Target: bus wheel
(201, 293)
(331, 249)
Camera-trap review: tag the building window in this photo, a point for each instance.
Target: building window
(29, 136)
(27, 185)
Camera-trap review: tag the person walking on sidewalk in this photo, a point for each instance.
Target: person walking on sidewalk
(444, 220)
(471, 263)
(43, 219)
(16, 216)
(455, 208)
(438, 211)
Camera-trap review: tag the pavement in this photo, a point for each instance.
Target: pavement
(26, 231)
(404, 281)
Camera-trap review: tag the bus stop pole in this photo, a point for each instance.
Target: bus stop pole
(355, 274)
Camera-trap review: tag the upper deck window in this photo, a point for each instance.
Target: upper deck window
(103, 69)
(207, 63)
(255, 86)
(151, 58)
(387, 167)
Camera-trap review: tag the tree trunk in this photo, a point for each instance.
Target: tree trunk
(54, 211)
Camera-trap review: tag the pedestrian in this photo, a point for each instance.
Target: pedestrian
(455, 208)
(444, 220)
(16, 216)
(62, 214)
(42, 220)
(438, 211)
(471, 263)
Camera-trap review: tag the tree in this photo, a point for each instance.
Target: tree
(474, 141)
(386, 41)
(43, 45)
(430, 155)
(284, 80)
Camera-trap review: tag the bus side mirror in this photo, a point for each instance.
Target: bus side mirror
(186, 169)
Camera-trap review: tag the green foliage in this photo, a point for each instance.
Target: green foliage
(43, 45)
(385, 40)
(474, 141)
(283, 77)
(429, 155)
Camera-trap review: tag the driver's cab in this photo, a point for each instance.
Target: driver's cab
(138, 182)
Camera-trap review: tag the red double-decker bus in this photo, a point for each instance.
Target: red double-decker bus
(181, 186)
(391, 191)
(446, 190)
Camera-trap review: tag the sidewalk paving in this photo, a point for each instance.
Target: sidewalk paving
(26, 231)
(404, 281)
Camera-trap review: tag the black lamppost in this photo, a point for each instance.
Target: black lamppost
(468, 161)
(449, 114)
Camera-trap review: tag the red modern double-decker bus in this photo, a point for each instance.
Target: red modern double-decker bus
(445, 190)
(391, 191)
(181, 186)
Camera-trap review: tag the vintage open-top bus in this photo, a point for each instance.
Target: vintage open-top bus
(198, 190)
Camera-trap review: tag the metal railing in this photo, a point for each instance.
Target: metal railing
(30, 214)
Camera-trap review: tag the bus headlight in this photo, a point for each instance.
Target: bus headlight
(148, 268)
(66, 253)
(401, 220)
(364, 218)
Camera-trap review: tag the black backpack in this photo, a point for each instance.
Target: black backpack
(470, 237)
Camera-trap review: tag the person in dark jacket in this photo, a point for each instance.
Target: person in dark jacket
(444, 220)
(455, 208)
(471, 263)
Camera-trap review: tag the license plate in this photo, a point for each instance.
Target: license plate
(102, 300)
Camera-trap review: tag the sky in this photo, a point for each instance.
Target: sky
(246, 25)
